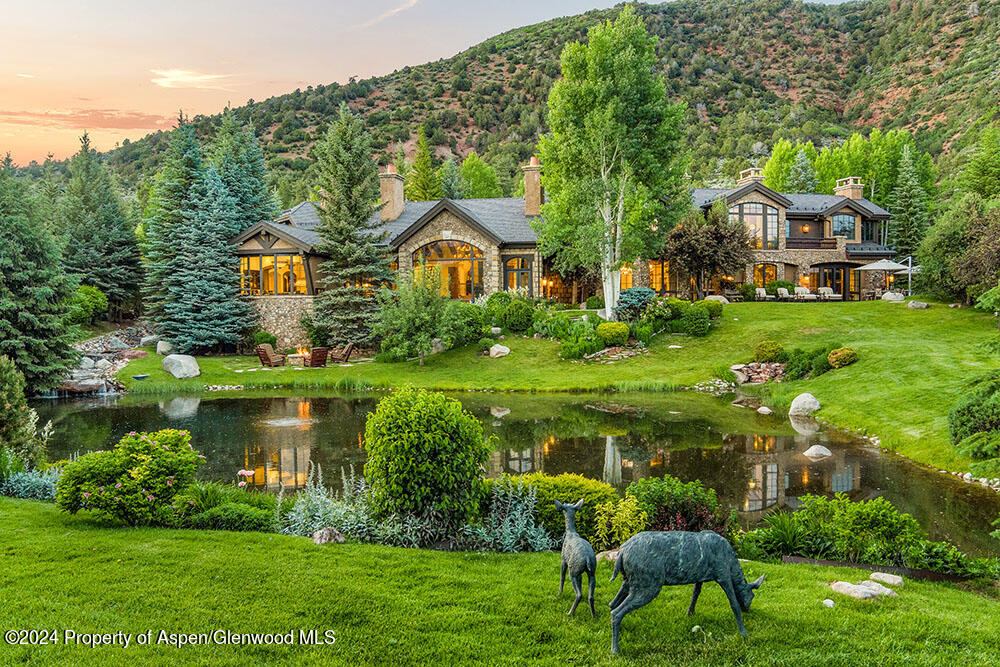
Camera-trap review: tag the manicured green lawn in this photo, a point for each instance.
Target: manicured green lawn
(398, 606)
(912, 368)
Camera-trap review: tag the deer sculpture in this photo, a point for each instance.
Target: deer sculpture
(577, 557)
(651, 560)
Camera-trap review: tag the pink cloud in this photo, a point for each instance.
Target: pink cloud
(82, 119)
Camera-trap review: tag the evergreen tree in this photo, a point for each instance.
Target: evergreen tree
(451, 180)
(35, 292)
(17, 420)
(802, 176)
(347, 178)
(203, 311)
(908, 207)
(982, 174)
(480, 179)
(422, 182)
(171, 196)
(402, 164)
(99, 245)
(237, 156)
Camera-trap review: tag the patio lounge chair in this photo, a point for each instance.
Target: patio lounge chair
(827, 294)
(803, 294)
(343, 356)
(783, 294)
(762, 295)
(268, 357)
(317, 357)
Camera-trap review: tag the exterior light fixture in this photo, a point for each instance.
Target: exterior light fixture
(805, 229)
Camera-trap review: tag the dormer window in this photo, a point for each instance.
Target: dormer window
(761, 220)
(843, 225)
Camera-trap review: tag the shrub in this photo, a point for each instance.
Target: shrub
(678, 307)
(136, 482)
(632, 301)
(989, 468)
(981, 445)
(657, 315)
(768, 351)
(772, 287)
(748, 291)
(595, 302)
(580, 340)
(509, 524)
(233, 516)
(486, 343)
(714, 307)
(843, 356)
(977, 410)
(517, 316)
(613, 333)
(461, 323)
(618, 520)
(265, 338)
(696, 321)
(496, 304)
(550, 325)
(87, 305)
(569, 488)
(801, 363)
(725, 373)
(644, 334)
(10, 463)
(34, 485)
(672, 504)
(425, 454)
(820, 365)
(17, 420)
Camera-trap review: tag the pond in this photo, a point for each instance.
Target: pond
(755, 463)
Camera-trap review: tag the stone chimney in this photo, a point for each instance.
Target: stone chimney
(751, 175)
(391, 184)
(533, 195)
(850, 187)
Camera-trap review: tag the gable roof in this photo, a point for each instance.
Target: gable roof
(795, 204)
(302, 215)
(500, 219)
(303, 239)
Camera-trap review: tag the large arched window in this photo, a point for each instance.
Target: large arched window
(761, 220)
(460, 264)
(843, 225)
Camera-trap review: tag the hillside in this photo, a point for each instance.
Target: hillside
(750, 72)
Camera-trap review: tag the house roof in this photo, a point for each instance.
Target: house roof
(501, 219)
(798, 204)
(302, 215)
(303, 239)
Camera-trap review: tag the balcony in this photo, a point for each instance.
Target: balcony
(810, 244)
(869, 249)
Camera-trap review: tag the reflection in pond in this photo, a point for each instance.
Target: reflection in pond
(755, 464)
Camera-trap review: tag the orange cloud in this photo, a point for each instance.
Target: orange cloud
(185, 78)
(82, 119)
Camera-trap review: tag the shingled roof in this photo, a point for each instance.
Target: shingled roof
(801, 204)
(501, 218)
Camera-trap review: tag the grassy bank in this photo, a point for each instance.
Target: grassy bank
(397, 606)
(912, 368)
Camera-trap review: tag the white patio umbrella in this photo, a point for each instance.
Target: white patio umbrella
(885, 265)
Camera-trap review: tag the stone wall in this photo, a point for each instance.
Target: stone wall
(280, 316)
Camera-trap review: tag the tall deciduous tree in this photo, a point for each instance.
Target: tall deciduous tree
(99, 246)
(613, 161)
(480, 179)
(802, 176)
(908, 206)
(182, 166)
(982, 173)
(356, 269)
(451, 180)
(422, 182)
(706, 246)
(237, 156)
(34, 289)
(203, 311)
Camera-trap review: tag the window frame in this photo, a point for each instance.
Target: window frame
(475, 255)
(766, 234)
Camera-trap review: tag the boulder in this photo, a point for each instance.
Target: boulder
(919, 305)
(737, 367)
(148, 341)
(87, 386)
(764, 410)
(878, 588)
(954, 305)
(817, 452)
(854, 591)
(717, 297)
(328, 535)
(182, 407)
(114, 344)
(894, 297)
(610, 556)
(102, 364)
(86, 363)
(804, 425)
(828, 603)
(133, 354)
(164, 348)
(438, 346)
(742, 378)
(495, 331)
(499, 350)
(181, 366)
(499, 411)
(804, 405)
(886, 578)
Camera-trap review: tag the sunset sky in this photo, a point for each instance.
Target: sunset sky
(123, 69)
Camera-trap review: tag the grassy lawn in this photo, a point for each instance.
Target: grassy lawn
(912, 368)
(398, 606)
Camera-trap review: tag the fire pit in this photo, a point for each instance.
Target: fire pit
(300, 357)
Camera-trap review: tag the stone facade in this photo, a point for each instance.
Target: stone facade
(280, 316)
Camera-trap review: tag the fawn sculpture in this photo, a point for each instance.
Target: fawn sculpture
(577, 557)
(651, 560)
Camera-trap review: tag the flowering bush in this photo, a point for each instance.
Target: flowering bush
(136, 482)
(674, 505)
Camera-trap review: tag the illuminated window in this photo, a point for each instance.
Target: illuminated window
(517, 274)
(843, 225)
(659, 276)
(250, 276)
(626, 277)
(764, 274)
(461, 266)
(273, 274)
(761, 220)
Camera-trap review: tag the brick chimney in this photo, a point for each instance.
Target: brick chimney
(751, 175)
(391, 185)
(533, 195)
(850, 187)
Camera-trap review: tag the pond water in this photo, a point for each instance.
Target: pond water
(755, 463)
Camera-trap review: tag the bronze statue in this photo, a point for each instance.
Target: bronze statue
(577, 557)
